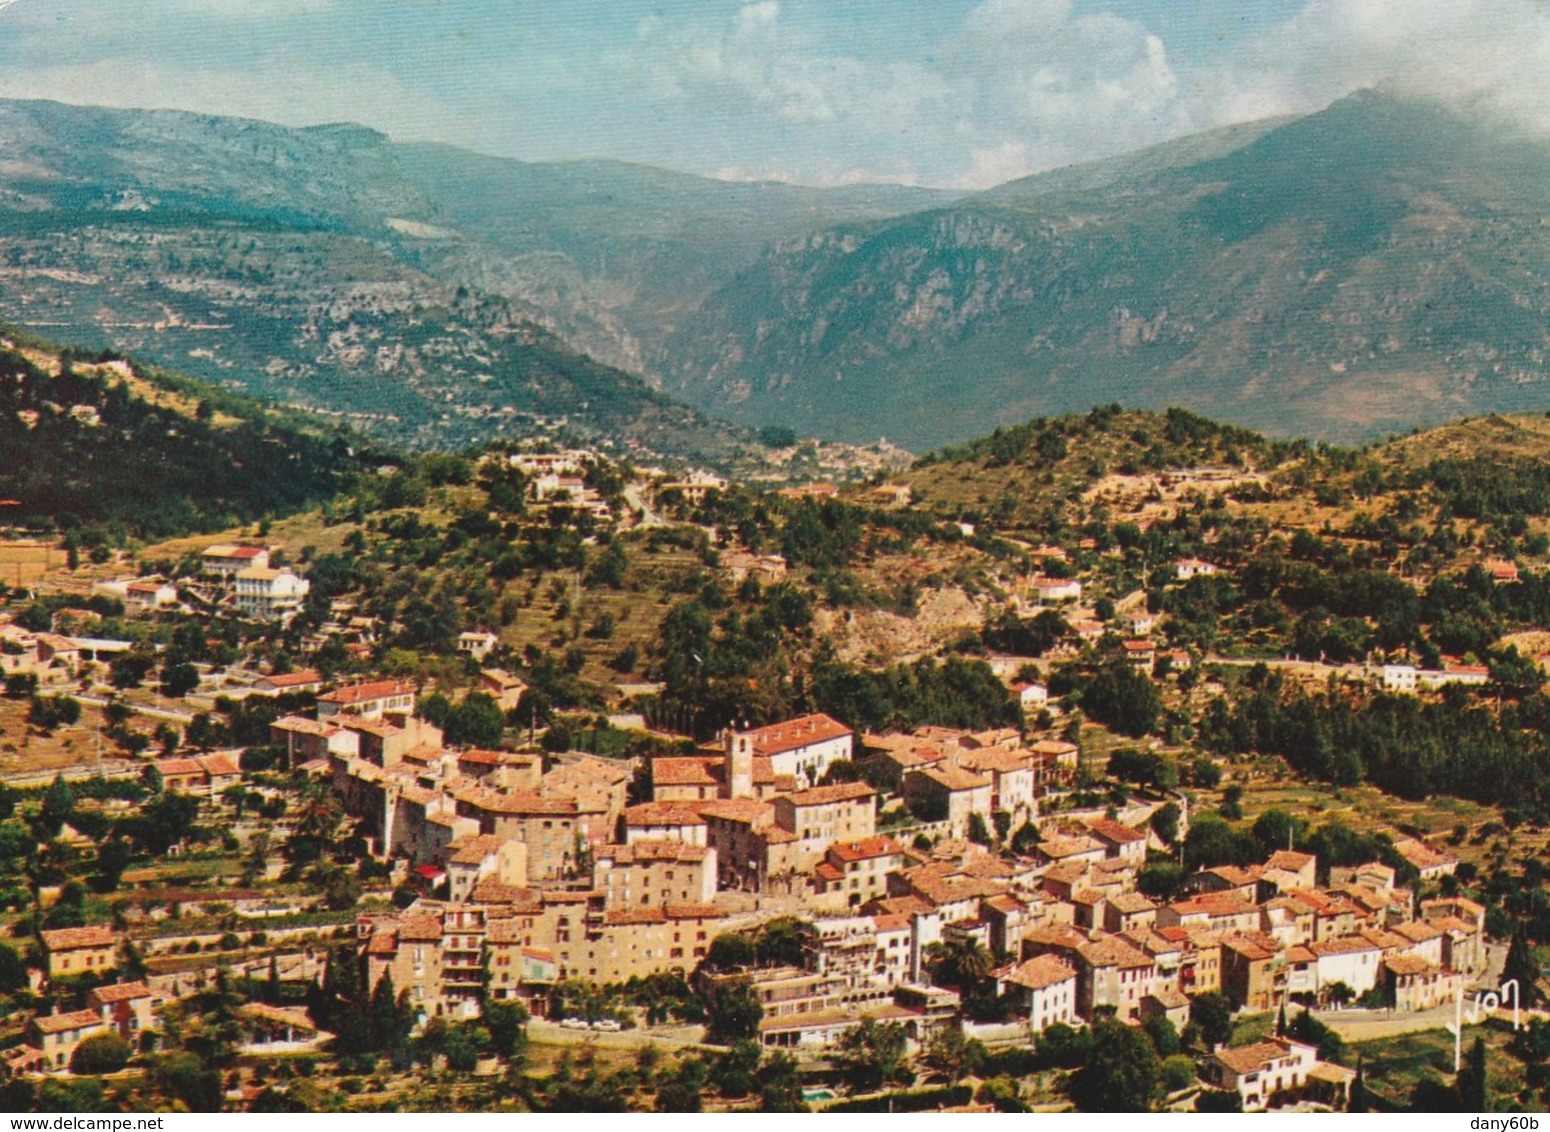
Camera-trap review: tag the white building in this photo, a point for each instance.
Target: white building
(1186, 568)
(1351, 960)
(1031, 695)
(1055, 589)
(1469, 675)
(1046, 987)
(371, 700)
(804, 747)
(1398, 677)
(477, 644)
(269, 594)
(227, 560)
(1261, 1071)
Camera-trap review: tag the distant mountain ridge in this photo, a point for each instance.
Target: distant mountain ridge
(319, 267)
(1378, 265)
(1375, 266)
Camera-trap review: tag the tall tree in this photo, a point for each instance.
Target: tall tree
(1473, 1093)
(1122, 1071)
(872, 1053)
(1357, 1101)
(780, 1086)
(1521, 966)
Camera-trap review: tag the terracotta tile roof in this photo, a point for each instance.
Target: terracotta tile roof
(663, 813)
(1107, 829)
(295, 679)
(748, 811)
(685, 771)
(620, 917)
(1111, 951)
(827, 795)
(692, 911)
(473, 850)
(521, 805)
(1056, 848)
(219, 764)
(1344, 945)
(1251, 949)
(511, 898)
(1130, 903)
(75, 1020)
(1234, 876)
(1417, 931)
(303, 726)
(1067, 872)
(362, 693)
(866, 849)
(65, 939)
(996, 759)
(1289, 860)
(1409, 965)
(1040, 972)
(420, 929)
(905, 906)
(1421, 855)
(383, 943)
(120, 992)
(641, 852)
(476, 756)
(794, 734)
(952, 778)
(1453, 925)
(1246, 1059)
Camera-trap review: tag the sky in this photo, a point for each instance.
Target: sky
(950, 93)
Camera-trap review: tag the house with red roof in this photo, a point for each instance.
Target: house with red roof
(370, 700)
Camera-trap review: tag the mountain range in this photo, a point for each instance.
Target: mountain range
(1375, 266)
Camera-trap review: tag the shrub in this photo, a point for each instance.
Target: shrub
(100, 1053)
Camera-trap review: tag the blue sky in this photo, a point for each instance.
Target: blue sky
(962, 93)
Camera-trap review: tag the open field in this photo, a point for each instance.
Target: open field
(24, 561)
(24, 749)
(1393, 1066)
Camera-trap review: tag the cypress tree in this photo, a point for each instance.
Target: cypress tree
(1520, 965)
(1357, 1101)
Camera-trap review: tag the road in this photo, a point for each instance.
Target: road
(672, 1037)
(636, 500)
(183, 717)
(107, 768)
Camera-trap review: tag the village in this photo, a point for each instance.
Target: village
(936, 879)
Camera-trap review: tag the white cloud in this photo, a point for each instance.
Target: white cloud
(1487, 54)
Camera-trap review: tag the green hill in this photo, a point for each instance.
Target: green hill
(112, 444)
